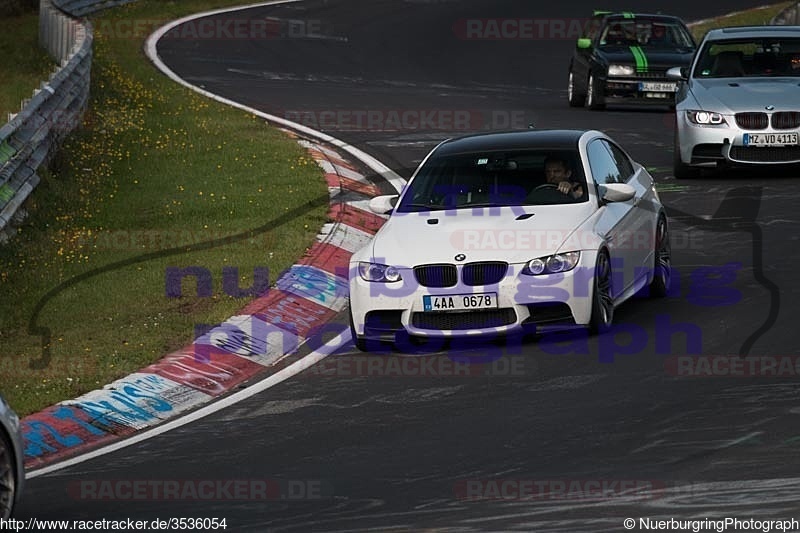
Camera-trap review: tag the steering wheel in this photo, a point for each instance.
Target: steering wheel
(548, 193)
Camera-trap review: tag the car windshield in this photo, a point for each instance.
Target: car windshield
(646, 33)
(742, 58)
(494, 179)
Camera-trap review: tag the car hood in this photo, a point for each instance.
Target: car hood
(499, 234)
(730, 96)
(660, 59)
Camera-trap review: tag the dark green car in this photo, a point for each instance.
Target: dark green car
(623, 58)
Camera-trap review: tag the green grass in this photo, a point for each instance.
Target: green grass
(23, 64)
(155, 166)
(751, 17)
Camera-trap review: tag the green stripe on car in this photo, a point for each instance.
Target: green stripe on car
(644, 59)
(640, 58)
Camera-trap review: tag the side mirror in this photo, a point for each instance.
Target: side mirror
(383, 205)
(584, 43)
(617, 192)
(678, 73)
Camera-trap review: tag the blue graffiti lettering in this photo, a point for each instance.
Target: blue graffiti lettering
(35, 439)
(65, 413)
(107, 413)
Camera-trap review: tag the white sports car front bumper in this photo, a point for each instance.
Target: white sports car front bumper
(523, 302)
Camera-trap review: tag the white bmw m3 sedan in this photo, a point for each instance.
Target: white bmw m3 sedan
(502, 233)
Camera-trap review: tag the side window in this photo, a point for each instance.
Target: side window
(604, 168)
(623, 163)
(683, 37)
(592, 29)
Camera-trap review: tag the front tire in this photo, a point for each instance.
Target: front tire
(683, 172)
(576, 99)
(359, 342)
(602, 299)
(662, 271)
(679, 169)
(594, 95)
(8, 477)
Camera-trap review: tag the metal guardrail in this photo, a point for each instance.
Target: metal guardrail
(33, 136)
(81, 8)
(789, 16)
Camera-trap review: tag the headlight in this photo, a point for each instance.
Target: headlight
(705, 118)
(620, 70)
(552, 264)
(378, 272)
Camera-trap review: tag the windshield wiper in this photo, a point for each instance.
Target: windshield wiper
(484, 204)
(422, 207)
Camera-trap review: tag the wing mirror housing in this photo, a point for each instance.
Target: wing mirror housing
(617, 192)
(383, 205)
(678, 73)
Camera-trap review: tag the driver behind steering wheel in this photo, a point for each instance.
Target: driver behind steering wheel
(558, 173)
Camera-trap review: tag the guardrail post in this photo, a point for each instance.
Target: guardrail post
(31, 137)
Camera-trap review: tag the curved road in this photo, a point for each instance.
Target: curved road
(511, 448)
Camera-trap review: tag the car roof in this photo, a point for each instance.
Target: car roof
(513, 140)
(749, 32)
(633, 16)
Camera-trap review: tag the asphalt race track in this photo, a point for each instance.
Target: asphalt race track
(522, 443)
